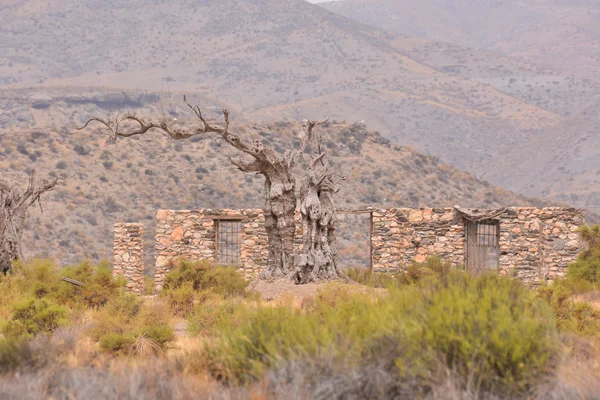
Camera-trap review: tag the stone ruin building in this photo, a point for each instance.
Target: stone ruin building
(532, 244)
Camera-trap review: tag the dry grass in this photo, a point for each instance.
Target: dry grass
(592, 298)
(144, 347)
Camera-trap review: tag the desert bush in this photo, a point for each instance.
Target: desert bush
(368, 278)
(34, 316)
(148, 286)
(99, 285)
(162, 335)
(143, 341)
(115, 342)
(566, 295)
(587, 266)
(572, 315)
(118, 314)
(203, 275)
(37, 278)
(213, 315)
(15, 352)
(433, 266)
(155, 312)
(125, 323)
(489, 328)
(41, 279)
(181, 299)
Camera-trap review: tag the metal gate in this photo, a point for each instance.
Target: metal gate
(483, 245)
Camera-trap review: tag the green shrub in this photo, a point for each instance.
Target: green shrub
(36, 278)
(117, 316)
(42, 279)
(368, 278)
(161, 337)
(434, 266)
(225, 281)
(15, 352)
(156, 312)
(489, 328)
(203, 275)
(34, 316)
(181, 299)
(114, 342)
(210, 316)
(184, 271)
(99, 285)
(572, 315)
(148, 286)
(587, 266)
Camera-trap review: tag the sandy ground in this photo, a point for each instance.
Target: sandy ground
(285, 290)
(280, 289)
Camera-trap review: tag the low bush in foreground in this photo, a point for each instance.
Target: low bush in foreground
(568, 296)
(34, 316)
(433, 267)
(41, 279)
(488, 328)
(587, 266)
(193, 283)
(202, 275)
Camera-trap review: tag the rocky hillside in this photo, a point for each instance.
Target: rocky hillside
(558, 161)
(273, 60)
(556, 34)
(129, 180)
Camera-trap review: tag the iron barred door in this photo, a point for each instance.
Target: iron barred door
(483, 246)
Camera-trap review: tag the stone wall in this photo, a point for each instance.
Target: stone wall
(401, 236)
(192, 234)
(535, 243)
(129, 255)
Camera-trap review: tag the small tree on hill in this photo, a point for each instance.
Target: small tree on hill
(319, 258)
(14, 203)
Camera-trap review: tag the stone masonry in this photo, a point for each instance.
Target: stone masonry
(536, 244)
(192, 235)
(129, 255)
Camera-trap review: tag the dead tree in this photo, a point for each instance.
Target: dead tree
(319, 259)
(14, 204)
(280, 182)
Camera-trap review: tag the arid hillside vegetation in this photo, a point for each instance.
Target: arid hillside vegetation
(272, 60)
(558, 34)
(130, 180)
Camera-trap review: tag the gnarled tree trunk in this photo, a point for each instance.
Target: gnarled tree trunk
(319, 259)
(280, 207)
(279, 189)
(13, 210)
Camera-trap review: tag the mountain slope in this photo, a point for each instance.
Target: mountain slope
(557, 34)
(130, 180)
(566, 157)
(272, 60)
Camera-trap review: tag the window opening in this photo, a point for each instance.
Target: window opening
(229, 242)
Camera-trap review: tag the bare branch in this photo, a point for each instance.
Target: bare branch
(245, 167)
(305, 139)
(178, 132)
